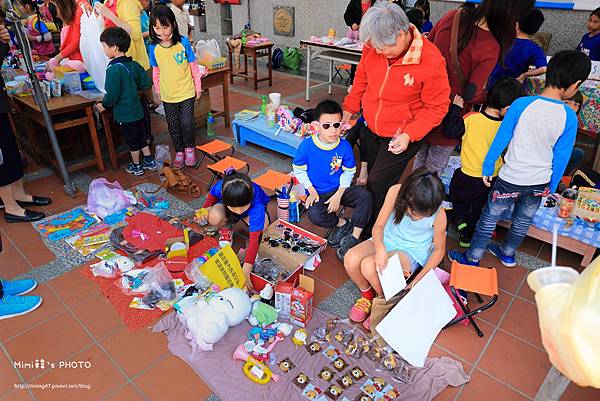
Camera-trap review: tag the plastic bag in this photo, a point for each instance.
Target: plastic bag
(162, 153)
(106, 198)
(292, 58)
(93, 55)
(569, 313)
(143, 281)
(207, 51)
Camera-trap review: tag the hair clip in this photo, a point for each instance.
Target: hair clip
(229, 171)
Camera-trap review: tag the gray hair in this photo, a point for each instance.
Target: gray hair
(382, 23)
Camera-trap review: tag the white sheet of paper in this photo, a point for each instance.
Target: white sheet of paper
(412, 326)
(392, 278)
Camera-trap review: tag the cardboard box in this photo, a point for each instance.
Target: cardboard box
(283, 299)
(291, 261)
(301, 301)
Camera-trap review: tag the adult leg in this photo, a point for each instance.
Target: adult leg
(173, 114)
(525, 208)
(421, 157)
(504, 195)
(438, 157)
(188, 123)
(7, 195)
(386, 170)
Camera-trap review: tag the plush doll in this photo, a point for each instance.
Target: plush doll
(208, 320)
(262, 314)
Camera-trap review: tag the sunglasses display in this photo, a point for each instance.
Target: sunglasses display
(295, 242)
(270, 270)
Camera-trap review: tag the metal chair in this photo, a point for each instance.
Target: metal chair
(478, 280)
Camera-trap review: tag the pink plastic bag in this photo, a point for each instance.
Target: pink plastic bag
(105, 198)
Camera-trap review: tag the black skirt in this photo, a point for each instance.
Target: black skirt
(11, 169)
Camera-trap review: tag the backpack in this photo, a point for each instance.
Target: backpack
(292, 58)
(277, 59)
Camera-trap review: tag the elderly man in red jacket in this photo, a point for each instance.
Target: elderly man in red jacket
(402, 86)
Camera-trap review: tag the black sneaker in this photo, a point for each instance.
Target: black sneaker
(338, 233)
(135, 169)
(346, 244)
(149, 164)
(464, 235)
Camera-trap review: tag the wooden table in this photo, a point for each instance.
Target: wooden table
(215, 77)
(256, 51)
(66, 104)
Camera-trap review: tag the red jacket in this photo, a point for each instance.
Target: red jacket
(412, 94)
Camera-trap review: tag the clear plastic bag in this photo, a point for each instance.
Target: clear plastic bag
(143, 281)
(94, 59)
(207, 51)
(569, 313)
(162, 153)
(106, 198)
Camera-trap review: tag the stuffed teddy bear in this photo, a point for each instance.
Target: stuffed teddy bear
(208, 319)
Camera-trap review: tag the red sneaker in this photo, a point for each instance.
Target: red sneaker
(360, 311)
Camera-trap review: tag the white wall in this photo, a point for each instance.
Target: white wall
(315, 17)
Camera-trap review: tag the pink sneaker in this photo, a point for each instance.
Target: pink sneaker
(360, 311)
(178, 162)
(190, 157)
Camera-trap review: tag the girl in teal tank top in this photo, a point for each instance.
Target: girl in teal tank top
(412, 224)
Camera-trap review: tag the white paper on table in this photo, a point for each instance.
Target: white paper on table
(392, 278)
(412, 326)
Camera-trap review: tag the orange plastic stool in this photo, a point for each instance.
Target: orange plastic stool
(273, 181)
(212, 150)
(218, 168)
(479, 280)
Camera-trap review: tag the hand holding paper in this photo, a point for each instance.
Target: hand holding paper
(392, 278)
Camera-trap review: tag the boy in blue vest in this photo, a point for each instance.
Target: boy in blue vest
(124, 78)
(325, 166)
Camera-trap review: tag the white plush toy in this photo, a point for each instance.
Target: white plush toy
(208, 320)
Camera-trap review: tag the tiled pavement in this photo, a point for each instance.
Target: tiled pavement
(76, 323)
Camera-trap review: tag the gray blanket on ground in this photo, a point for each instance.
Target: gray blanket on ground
(225, 377)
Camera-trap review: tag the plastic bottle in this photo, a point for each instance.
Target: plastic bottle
(263, 107)
(244, 40)
(210, 125)
(293, 208)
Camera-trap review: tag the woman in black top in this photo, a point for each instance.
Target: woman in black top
(12, 193)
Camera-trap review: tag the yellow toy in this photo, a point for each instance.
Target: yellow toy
(300, 337)
(254, 369)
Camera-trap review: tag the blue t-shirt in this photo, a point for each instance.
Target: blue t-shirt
(521, 55)
(257, 210)
(590, 46)
(427, 27)
(324, 164)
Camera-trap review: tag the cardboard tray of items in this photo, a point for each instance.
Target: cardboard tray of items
(288, 257)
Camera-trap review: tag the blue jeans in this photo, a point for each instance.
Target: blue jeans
(526, 201)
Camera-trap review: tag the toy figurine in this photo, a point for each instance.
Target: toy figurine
(300, 337)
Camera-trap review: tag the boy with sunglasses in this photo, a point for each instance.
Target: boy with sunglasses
(325, 166)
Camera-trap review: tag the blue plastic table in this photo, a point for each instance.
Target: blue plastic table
(258, 132)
